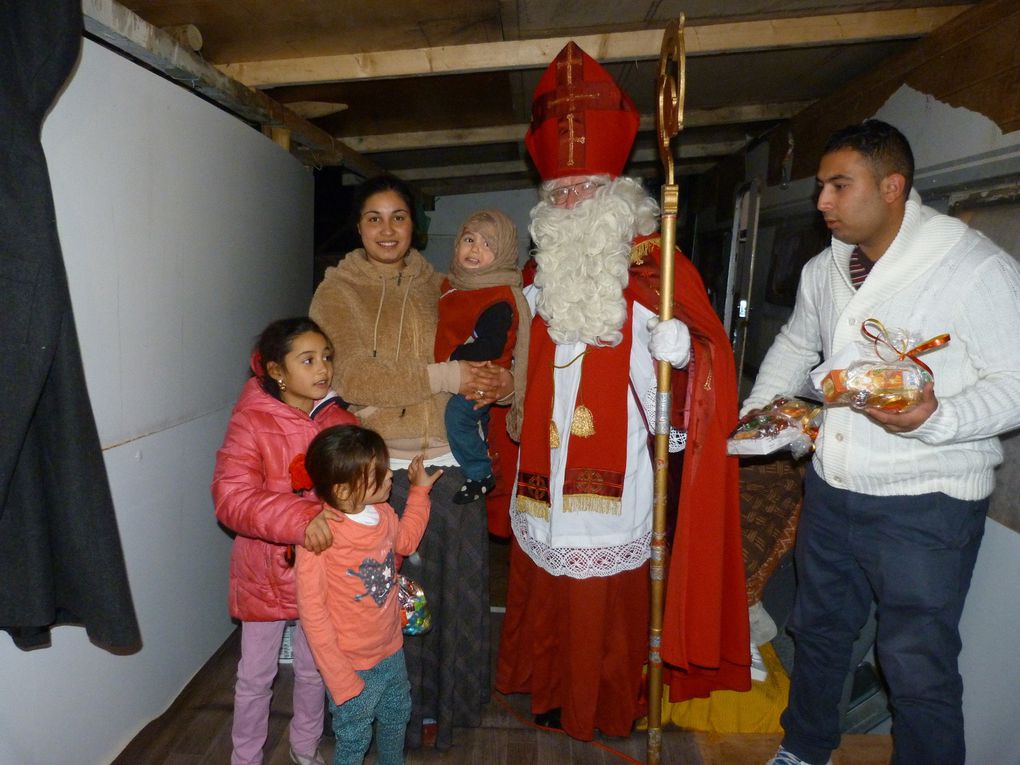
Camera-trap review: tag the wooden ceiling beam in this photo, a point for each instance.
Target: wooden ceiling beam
(121, 28)
(437, 139)
(700, 40)
(488, 183)
(683, 151)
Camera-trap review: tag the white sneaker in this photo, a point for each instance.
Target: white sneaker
(783, 757)
(758, 669)
(314, 759)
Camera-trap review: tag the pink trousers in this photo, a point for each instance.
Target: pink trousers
(260, 651)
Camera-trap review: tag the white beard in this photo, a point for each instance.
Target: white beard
(583, 257)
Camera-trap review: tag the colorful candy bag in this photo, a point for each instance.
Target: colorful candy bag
(415, 617)
(890, 386)
(883, 372)
(787, 422)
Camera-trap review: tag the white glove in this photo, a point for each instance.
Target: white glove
(669, 341)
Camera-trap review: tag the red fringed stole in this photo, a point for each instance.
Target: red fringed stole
(596, 465)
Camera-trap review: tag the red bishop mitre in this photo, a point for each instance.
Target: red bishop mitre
(581, 122)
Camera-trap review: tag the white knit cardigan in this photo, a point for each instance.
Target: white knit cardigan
(937, 276)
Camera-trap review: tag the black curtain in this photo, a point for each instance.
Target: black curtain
(61, 560)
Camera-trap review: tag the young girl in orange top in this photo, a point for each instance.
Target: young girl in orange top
(347, 596)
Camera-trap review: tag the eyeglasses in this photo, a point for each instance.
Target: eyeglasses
(582, 190)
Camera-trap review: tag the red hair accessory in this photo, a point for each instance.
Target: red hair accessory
(256, 364)
(300, 481)
(581, 122)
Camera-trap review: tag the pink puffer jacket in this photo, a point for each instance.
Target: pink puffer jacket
(254, 498)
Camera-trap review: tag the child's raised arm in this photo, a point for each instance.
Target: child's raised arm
(418, 476)
(416, 511)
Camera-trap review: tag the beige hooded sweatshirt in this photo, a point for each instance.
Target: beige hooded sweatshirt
(382, 327)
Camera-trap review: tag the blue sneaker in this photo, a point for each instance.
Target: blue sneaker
(783, 757)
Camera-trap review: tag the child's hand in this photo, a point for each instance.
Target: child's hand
(318, 537)
(417, 474)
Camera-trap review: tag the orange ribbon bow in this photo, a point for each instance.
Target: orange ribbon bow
(881, 337)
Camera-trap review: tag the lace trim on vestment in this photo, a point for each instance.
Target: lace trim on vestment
(580, 562)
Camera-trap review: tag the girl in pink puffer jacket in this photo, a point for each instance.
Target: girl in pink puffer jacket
(263, 495)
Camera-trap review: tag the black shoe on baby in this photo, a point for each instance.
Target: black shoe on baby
(473, 490)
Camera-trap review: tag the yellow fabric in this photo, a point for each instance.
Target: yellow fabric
(753, 711)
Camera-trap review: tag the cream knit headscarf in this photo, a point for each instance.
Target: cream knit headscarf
(500, 234)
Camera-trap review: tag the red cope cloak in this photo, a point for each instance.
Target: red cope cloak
(705, 636)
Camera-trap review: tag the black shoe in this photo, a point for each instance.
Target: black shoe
(473, 490)
(550, 719)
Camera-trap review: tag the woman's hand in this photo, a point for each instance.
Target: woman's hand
(417, 474)
(318, 537)
(484, 383)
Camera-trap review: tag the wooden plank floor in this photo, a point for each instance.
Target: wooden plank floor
(196, 730)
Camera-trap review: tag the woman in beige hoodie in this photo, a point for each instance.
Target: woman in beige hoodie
(379, 308)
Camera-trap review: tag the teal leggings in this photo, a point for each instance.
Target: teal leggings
(386, 701)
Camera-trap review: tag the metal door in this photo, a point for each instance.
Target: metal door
(740, 271)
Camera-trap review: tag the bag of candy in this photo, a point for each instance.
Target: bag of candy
(890, 386)
(415, 616)
(786, 422)
(884, 372)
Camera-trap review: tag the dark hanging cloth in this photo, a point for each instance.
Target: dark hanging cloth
(61, 560)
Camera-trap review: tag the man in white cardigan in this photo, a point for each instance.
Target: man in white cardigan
(894, 503)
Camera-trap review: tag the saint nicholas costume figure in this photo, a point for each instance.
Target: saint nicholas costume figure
(576, 629)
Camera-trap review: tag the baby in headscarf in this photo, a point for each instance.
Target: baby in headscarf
(483, 316)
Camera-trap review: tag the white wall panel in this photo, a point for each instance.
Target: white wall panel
(184, 232)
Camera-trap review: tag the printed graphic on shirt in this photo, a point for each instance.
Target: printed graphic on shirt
(379, 578)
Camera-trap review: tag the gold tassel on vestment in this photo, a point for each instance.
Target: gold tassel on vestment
(582, 424)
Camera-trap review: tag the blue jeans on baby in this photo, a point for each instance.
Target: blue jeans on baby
(386, 701)
(468, 441)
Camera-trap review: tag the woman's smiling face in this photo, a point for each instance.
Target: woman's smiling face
(386, 228)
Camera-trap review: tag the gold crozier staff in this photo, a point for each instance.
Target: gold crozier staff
(669, 118)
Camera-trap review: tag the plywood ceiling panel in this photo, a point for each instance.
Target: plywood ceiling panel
(251, 30)
(475, 120)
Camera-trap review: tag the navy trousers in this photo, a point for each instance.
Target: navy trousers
(912, 555)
